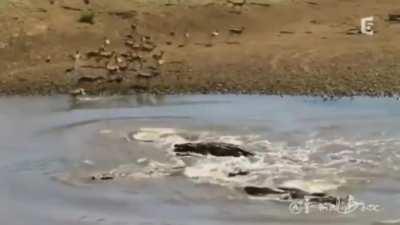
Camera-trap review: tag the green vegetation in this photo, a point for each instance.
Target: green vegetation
(87, 16)
(3, 3)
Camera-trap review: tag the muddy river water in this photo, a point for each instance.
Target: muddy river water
(52, 147)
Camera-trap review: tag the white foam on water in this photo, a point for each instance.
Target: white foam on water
(142, 160)
(388, 222)
(236, 140)
(89, 98)
(217, 170)
(314, 186)
(318, 165)
(170, 140)
(156, 170)
(152, 134)
(88, 162)
(152, 169)
(105, 131)
(164, 138)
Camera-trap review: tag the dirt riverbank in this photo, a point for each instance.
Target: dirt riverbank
(293, 47)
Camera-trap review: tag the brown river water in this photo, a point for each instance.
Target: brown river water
(50, 147)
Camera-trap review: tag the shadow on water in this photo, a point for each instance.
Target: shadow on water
(132, 101)
(92, 121)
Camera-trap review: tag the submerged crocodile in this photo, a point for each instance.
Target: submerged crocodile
(211, 148)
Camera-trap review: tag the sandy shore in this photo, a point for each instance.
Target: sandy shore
(256, 46)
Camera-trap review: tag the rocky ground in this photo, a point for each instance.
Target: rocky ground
(309, 47)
